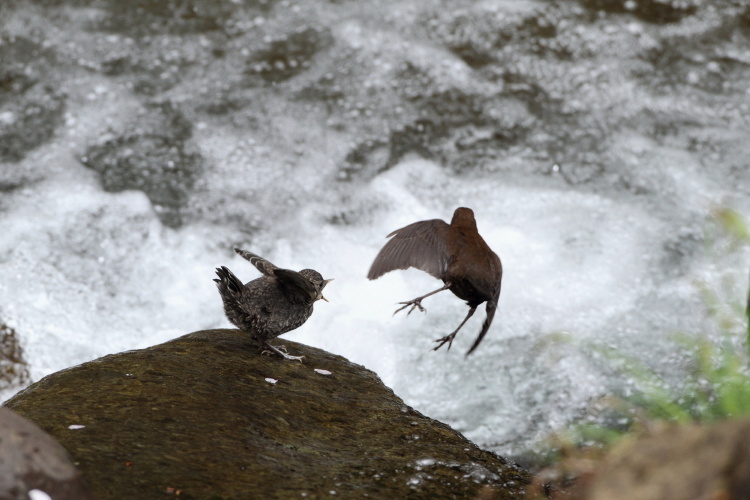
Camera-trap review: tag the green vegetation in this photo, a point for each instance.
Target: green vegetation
(717, 382)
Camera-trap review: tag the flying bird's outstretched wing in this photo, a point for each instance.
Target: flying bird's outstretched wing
(421, 245)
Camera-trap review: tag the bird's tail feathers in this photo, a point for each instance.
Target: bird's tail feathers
(259, 262)
(491, 308)
(227, 281)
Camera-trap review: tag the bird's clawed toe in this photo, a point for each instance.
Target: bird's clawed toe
(447, 339)
(280, 351)
(416, 303)
(293, 358)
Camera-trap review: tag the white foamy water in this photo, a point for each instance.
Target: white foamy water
(612, 259)
(88, 273)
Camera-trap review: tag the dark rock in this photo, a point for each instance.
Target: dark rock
(30, 111)
(31, 459)
(454, 126)
(482, 88)
(13, 83)
(366, 160)
(207, 416)
(23, 63)
(141, 17)
(325, 89)
(223, 104)
(652, 11)
(679, 462)
(148, 73)
(29, 122)
(701, 61)
(478, 34)
(155, 158)
(422, 137)
(14, 370)
(288, 55)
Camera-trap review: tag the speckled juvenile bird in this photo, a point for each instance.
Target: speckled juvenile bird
(277, 302)
(454, 253)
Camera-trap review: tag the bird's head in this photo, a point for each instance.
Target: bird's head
(317, 280)
(464, 217)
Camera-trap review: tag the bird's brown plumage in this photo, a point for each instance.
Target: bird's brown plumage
(454, 253)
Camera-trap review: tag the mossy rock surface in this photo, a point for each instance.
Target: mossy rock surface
(201, 417)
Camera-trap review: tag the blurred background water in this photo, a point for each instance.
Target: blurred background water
(140, 141)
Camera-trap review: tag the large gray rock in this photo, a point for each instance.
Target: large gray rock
(207, 416)
(33, 464)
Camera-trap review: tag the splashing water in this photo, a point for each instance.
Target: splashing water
(604, 244)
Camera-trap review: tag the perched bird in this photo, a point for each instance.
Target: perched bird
(277, 302)
(454, 253)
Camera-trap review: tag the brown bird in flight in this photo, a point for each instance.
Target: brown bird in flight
(454, 253)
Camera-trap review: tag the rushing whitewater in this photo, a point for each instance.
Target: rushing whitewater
(591, 144)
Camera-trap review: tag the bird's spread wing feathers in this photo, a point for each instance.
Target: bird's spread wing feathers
(421, 245)
(259, 262)
(297, 284)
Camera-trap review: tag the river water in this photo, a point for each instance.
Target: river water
(593, 140)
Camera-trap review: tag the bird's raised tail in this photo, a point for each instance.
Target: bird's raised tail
(259, 262)
(227, 283)
(491, 308)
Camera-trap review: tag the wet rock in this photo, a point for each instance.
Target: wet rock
(479, 33)
(461, 128)
(223, 104)
(148, 73)
(14, 82)
(705, 62)
(366, 160)
(492, 87)
(29, 122)
(288, 55)
(23, 63)
(679, 462)
(652, 11)
(14, 371)
(33, 463)
(142, 17)
(155, 157)
(30, 111)
(325, 89)
(207, 416)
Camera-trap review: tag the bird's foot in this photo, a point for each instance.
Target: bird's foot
(414, 303)
(280, 351)
(447, 339)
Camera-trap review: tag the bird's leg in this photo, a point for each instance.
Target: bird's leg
(449, 338)
(281, 351)
(418, 301)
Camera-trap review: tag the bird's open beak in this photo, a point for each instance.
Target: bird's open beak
(324, 284)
